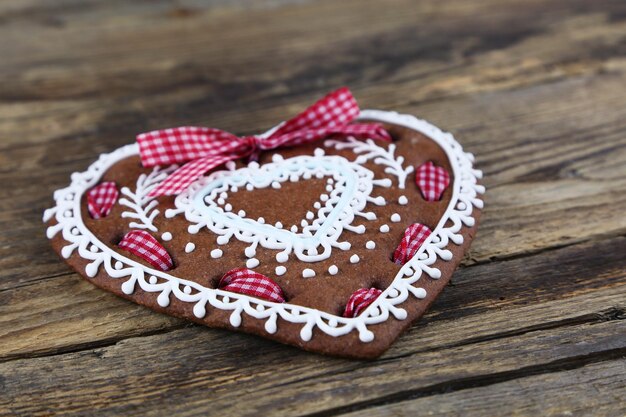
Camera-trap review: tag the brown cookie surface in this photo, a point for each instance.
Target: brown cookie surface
(200, 258)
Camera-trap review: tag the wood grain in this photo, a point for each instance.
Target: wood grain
(535, 89)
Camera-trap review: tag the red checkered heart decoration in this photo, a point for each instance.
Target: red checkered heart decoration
(142, 244)
(360, 300)
(246, 281)
(101, 199)
(413, 238)
(432, 181)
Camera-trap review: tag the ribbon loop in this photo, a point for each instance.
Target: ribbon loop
(205, 148)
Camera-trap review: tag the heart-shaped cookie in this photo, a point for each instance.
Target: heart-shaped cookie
(335, 246)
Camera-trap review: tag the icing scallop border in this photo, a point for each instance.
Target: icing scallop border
(465, 197)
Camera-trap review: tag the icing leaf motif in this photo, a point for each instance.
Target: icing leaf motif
(360, 300)
(381, 156)
(143, 245)
(432, 181)
(248, 282)
(101, 199)
(414, 236)
(141, 206)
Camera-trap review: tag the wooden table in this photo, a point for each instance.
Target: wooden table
(532, 324)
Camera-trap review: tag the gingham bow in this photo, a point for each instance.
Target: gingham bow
(203, 148)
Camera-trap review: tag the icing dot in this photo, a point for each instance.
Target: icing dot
(332, 270)
(308, 273)
(384, 228)
(275, 185)
(252, 263)
(370, 244)
(250, 252)
(304, 223)
(395, 217)
(403, 200)
(319, 175)
(220, 201)
(216, 253)
(261, 220)
(310, 215)
(280, 270)
(224, 195)
(228, 207)
(234, 189)
(420, 293)
(318, 152)
(249, 187)
(187, 289)
(166, 236)
(354, 259)
(282, 257)
(222, 240)
(118, 265)
(278, 225)
(190, 247)
(324, 197)
(317, 205)
(294, 229)
(241, 213)
(330, 181)
(329, 188)
(153, 279)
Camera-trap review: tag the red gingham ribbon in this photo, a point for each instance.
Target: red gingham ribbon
(248, 282)
(432, 181)
(101, 199)
(360, 300)
(414, 236)
(207, 148)
(142, 244)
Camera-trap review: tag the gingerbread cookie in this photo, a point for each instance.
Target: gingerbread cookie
(332, 232)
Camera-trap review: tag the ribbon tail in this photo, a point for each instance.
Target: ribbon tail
(180, 179)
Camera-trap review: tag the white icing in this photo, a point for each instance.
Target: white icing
(354, 259)
(308, 273)
(370, 244)
(143, 208)
(190, 247)
(395, 217)
(447, 232)
(250, 251)
(380, 155)
(384, 228)
(332, 270)
(167, 236)
(252, 263)
(280, 270)
(241, 213)
(403, 201)
(216, 253)
(314, 243)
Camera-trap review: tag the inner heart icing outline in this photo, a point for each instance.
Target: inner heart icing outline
(465, 197)
(353, 185)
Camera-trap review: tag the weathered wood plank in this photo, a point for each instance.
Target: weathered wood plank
(597, 389)
(191, 371)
